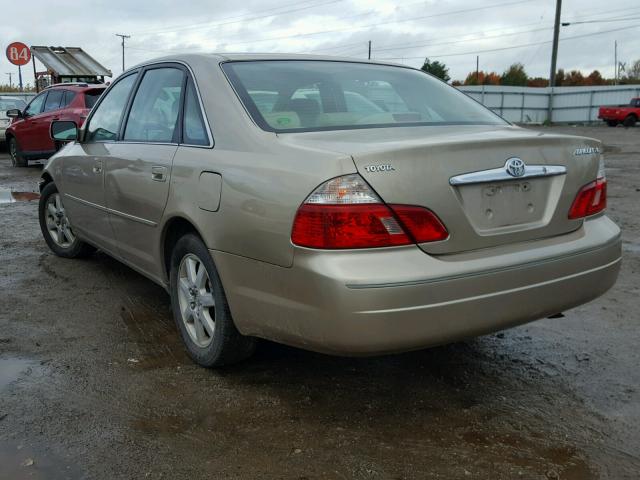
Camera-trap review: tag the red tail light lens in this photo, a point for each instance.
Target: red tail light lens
(345, 213)
(423, 225)
(591, 199)
(347, 226)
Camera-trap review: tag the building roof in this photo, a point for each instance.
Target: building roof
(69, 61)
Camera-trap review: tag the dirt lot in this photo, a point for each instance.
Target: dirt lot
(95, 384)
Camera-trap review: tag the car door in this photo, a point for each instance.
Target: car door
(41, 138)
(83, 167)
(138, 168)
(25, 129)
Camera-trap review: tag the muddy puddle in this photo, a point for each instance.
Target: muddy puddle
(11, 196)
(22, 462)
(13, 369)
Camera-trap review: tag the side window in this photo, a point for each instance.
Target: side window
(154, 112)
(53, 100)
(194, 131)
(35, 107)
(67, 99)
(104, 123)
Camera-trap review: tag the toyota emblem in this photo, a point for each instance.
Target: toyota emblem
(515, 167)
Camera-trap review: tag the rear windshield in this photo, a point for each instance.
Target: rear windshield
(91, 97)
(303, 95)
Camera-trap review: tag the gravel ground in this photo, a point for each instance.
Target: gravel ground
(95, 384)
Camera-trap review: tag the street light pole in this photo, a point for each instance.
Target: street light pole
(123, 38)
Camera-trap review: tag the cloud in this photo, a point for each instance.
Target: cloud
(404, 31)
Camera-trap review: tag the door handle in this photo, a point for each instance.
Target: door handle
(97, 168)
(158, 173)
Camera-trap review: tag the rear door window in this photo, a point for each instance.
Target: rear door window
(53, 100)
(154, 112)
(67, 99)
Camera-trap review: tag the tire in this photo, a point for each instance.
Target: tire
(200, 307)
(630, 121)
(612, 123)
(55, 226)
(17, 160)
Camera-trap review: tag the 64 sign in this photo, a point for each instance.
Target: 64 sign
(19, 54)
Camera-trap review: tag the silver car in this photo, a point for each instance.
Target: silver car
(8, 103)
(340, 206)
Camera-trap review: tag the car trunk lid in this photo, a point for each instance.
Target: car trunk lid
(459, 173)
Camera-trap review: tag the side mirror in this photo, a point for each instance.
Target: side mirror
(64, 131)
(14, 113)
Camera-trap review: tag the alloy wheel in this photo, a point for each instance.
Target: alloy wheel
(57, 222)
(197, 304)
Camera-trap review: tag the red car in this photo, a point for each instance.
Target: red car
(628, 115)
(28, 135)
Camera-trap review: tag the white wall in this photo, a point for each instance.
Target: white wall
(570, 104)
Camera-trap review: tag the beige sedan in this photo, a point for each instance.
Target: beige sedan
(336, 205)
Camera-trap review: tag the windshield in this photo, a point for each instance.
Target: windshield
(303, 95)
(10, 103)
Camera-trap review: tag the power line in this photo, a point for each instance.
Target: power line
(476, 52)
(490, 37)
(409, 46)
(243, 20)
(566, 24)
(390, 22)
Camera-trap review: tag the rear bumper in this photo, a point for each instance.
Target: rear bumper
(373, 301)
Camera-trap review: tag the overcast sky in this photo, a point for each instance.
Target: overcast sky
(405, 31)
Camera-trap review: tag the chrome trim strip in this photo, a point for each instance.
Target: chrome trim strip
(501, 174)
(532, 263)
(110, 210)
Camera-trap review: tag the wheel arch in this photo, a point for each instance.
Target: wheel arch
(45, 179)
(173, 229)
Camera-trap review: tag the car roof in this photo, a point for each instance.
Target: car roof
(233, 57)
(77, 87)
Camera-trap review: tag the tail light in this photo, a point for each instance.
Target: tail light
(592, 198)
(346, 213)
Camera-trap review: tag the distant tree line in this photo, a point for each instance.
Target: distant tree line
(5, 88)
(516, 75)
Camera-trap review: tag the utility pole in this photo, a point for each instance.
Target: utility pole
(554, 51)
(477, 69)
(10, 82)
(369, 50)
(615, 57)
(123, 38)
(554, 57)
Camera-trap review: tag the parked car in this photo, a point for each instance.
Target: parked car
(8, 103)
(621, 114)
(28, 135)
(313, 221)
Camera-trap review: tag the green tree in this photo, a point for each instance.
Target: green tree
(560, 76)
(514, 75)
(437, 69)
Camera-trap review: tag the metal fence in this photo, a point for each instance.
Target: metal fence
(569, 104)
(25, 96)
